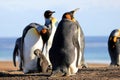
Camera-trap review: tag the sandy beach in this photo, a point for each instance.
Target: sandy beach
(93, 72)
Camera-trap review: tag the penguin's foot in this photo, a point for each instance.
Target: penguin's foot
(50, 67)
(84, 66)
(114, 65)
(20, 69)
(66, 74)
(118, 64)
(69, 74)
(57, 74)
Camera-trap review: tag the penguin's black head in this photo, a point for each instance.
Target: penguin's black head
(116, 32)
(48, 13)
(69, 15)
(114, 35)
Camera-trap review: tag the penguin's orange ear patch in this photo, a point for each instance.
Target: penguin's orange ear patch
(43, 31)
(68, 16)
(115, 39)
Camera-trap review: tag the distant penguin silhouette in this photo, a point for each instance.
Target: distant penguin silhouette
(42, 61)
(114, 47)
(17, 52)
(65, 52)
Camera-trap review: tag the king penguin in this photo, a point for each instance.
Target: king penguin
(34, 37)
(51, 24)
(114, 47)
(31, 40)
(81, 41)
(65, 53)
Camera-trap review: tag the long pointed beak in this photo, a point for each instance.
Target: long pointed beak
(73, 11)
(53, 11)
(76, 9)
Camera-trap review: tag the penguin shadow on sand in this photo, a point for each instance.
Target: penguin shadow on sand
(42, 62)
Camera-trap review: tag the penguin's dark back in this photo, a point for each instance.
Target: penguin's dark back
(63, 42)
(64, 32)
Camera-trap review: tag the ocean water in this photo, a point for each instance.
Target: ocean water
(96, 50)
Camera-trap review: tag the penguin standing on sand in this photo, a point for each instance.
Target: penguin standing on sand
(65, 52)
(81, 41)
(34, 37)
(51, 24)
(17, 52)
(31, 40)
(114, 47)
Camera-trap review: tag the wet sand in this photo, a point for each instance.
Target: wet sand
(93, 72)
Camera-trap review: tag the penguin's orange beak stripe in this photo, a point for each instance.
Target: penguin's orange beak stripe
(44, 31)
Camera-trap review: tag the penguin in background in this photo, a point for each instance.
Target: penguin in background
(51, 24)
(34, 37)
(17, 52)
(81, 41)
(65, 52)
(114, 47)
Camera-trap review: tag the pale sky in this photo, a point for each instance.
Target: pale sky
(96, 17)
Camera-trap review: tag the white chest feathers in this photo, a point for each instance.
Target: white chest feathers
(32, 41)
